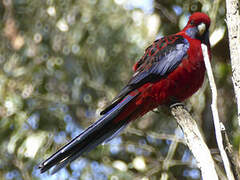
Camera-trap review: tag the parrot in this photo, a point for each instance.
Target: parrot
(171, 70)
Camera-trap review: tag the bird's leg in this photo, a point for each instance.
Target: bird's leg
(173, 103)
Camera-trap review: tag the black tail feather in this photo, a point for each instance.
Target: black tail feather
(94, 135)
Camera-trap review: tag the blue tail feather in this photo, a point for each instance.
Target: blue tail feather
(103, 129)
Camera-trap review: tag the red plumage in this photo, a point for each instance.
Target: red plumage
(180, 84)
(171, 70)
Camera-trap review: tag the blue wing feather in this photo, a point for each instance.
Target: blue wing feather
(162, 63)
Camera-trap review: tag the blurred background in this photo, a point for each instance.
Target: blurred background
(62, 61)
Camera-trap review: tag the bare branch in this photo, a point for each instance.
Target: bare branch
(215, 114)
(195, 142)
(233, 23)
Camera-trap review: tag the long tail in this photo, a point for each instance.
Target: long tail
(103, 129)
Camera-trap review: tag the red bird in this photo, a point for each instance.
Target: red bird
(171, 70)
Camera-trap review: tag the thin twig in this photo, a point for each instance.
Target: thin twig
(215, 114)
(154, 135)
(165, 12)
(168, 159)
(230, 153)
(213, 14)
(195, 142)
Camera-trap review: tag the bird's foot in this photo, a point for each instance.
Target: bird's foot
(156, 110)
(177, 104)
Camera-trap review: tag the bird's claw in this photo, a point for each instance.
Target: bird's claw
(177, 104)
(156, 111)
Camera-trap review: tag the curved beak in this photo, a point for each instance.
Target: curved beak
(201, 28)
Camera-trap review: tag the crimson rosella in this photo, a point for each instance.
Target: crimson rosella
(171, 70)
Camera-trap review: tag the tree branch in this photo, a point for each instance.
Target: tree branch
(195, 142)
(230, 154)
(215, 114)
(233, 24)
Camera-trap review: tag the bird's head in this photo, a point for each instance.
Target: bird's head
(197, 27)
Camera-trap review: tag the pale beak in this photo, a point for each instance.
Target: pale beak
(201, 28)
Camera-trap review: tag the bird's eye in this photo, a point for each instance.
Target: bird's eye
(192, 22)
